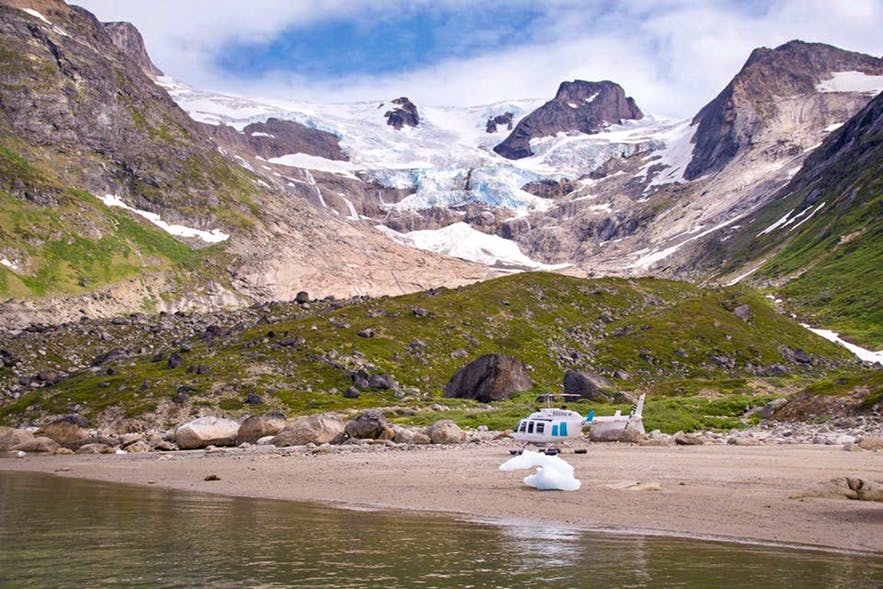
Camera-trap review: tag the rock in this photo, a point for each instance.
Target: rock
(360, 379)
(351, 393)
(743, 312)
(253, 399)
(15, 437)
(420, 312)
(128, 39)
(74, 418)
(770, 408)
(492, 377)
(259, 426)
(206, 431)
(163, 446)
(175, 360)
(370, 424)
(66, 434)
(796, 356)
(503, 119)
(368, 332)
(846, 487)
(445, 431)
(139, 447)
(380, 381)
(404, 113)
(313, 429)
(682, 439)
(95, 448)
(302, 297)
(40, 444)
(107, 357)
(871, 444)
(586, 384)
(278, 137)
(410, 435)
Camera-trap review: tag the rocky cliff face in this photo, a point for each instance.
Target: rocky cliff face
(579, 106)
(275, 138)
(731, 122)
(129, 40)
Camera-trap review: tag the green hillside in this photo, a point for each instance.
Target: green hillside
(702, 364)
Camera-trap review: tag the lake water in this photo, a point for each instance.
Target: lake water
(57, 532)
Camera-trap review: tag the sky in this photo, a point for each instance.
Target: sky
(672, 56)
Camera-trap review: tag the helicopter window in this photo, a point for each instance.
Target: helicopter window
(530, 427)
(541, 427)
(521, 426)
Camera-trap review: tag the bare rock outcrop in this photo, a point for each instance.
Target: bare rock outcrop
(128, 39)
(312, 429)
(258, 426)
(403, 114)
(580, 106)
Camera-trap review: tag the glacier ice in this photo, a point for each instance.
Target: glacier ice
(553, 472)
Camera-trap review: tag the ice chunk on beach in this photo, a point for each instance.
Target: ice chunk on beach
(553, 473)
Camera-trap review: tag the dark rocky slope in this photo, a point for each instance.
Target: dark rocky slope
(579, 106)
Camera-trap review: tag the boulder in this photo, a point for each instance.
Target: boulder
(370, 424)
(492, 377)
(15, 437)
(411, 435)
(380, 381)
(139, 447)
(258, 426)
(445, 431)
(313, 429)
(682, 439)
(586, 384)
(846, 488)
(96, 448)
(743, 312)
(207, 431)
(770, 408)
(871, 444)
(39, 444)
(65, 433)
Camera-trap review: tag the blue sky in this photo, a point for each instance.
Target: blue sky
(672, 56)
(380, 42)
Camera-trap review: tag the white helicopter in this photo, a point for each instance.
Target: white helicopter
(549, 425)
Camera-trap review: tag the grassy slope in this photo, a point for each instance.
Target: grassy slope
(829, 268)
(668, 331)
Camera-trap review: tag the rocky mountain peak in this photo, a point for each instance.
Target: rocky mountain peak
(129, 40)
(404, 113)
(578, 106)
(728, 123)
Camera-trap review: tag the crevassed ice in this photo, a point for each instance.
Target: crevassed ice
(213, 236)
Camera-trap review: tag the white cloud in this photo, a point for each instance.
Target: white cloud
(673, 56)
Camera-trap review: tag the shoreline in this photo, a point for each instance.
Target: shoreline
(717, 493)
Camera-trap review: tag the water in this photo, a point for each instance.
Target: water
(57, 532)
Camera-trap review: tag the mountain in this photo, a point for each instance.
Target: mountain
(761, 93)
(817, 244)
(128, 39)
(578, 106)
(114, 198)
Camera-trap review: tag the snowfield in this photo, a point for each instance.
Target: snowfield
(213, 236)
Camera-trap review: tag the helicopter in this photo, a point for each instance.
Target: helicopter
(550, 425)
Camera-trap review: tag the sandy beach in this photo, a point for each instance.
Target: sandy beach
(725, 492)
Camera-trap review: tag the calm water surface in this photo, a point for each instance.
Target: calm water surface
(57, 532)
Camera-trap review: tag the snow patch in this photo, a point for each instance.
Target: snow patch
(213, 236)
(808, 217)
(262, 134)
(851, 81)
(676, 155)
(644, 262)
(591, 98)
(833, 127)
(863, 354)
(777, 224)
(460, 240)
(553, 473)
(312, 162)
(572, 105)
(36, 14)
(9, 264)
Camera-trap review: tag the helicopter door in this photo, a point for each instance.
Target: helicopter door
(562, 429)
(530, 427)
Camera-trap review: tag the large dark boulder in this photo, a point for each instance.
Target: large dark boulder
(276, 137)
(493, 377)
(587, 385)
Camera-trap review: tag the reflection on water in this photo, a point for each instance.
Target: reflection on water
(58, 532)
